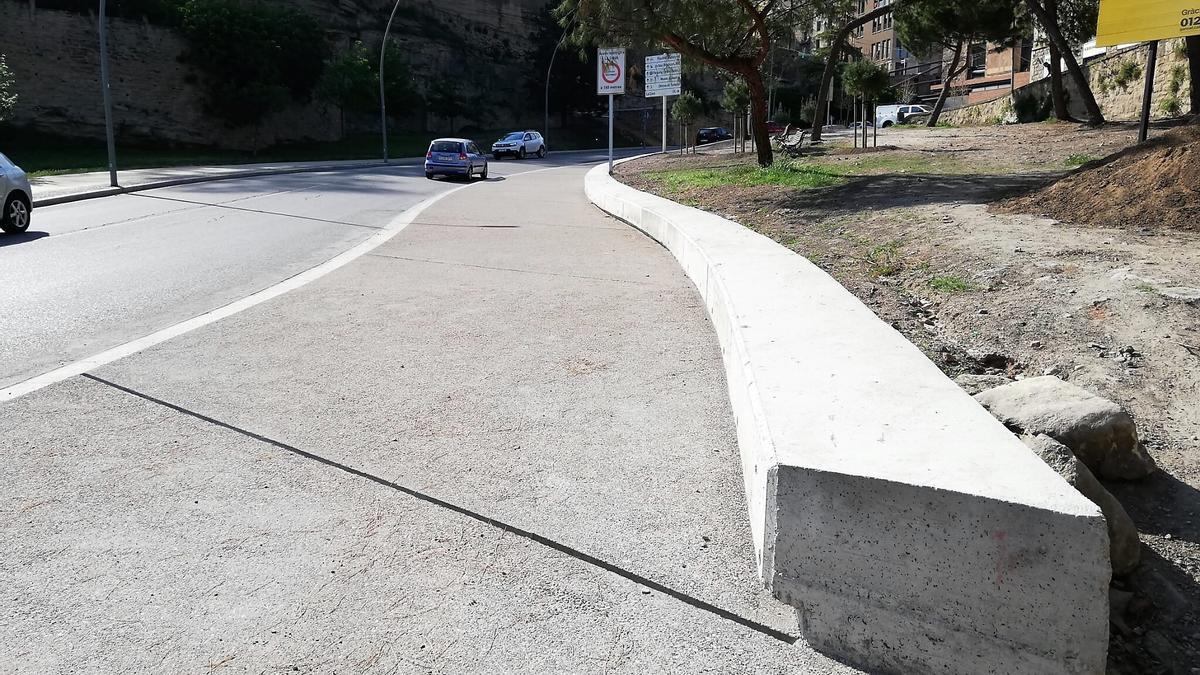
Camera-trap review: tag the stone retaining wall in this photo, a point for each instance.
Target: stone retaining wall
(54, 56)
(1119, 101)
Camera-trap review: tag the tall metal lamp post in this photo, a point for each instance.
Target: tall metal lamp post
(108, 121)
(546, 118)
(382, 93)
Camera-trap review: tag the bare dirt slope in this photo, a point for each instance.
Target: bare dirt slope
(1156, 185)
(909, 231)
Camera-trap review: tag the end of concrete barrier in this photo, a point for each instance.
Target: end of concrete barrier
(911, 531)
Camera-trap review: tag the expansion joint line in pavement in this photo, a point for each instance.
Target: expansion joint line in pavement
(504, 269)
(462, 510)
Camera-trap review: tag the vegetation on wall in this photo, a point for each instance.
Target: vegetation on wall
(350, 81)
(8, 90)
(254, 59)
(1172, 104)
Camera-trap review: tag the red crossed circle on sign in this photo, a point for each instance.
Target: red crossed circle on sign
(612, 66)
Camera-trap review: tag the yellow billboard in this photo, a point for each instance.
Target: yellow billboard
(1124, 21)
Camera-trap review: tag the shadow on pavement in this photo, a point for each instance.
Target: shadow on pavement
(907, 190)
(22, 238)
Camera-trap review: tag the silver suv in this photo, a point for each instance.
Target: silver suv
(519, 144)
(17, 197)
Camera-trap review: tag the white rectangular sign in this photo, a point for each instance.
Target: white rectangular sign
(610, 71)
(664, 73)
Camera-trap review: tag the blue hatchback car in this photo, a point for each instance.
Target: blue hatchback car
(455, 157)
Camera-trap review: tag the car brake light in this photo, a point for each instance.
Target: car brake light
(429, 155)
(462, 155)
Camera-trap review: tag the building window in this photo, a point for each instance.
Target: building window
(977, 60)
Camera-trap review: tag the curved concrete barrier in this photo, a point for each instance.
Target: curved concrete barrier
(910, 529)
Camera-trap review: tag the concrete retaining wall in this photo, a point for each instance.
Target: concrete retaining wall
(912, 531)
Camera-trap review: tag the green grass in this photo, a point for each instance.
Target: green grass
(1145, 287)
(951, 284)
(823, 172)
(1079, 159)
(782, 173)
(886, 259)
(42, 154)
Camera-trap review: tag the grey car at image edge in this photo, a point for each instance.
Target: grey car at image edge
(519, 144)
(17, 196)
(455, 157)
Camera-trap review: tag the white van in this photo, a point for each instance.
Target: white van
(887, 115)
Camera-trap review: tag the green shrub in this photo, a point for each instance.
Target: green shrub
(1127, 73)
(951, 284)
(254, 59)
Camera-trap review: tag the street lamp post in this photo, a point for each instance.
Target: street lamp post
(546, 118)
(382, 93)
(108, 121)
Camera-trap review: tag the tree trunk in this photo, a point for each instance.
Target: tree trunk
(831, 61)
(951, 73)
(1050, 25)
(1193, 54)
(1058, 94)
(758, 112)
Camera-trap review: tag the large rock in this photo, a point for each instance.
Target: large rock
(1100, 433)
(1125, 549)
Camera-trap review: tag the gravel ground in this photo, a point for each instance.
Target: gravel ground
(910, 233)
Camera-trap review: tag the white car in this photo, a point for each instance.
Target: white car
(887, 115)
(519, 144)
(17, 196)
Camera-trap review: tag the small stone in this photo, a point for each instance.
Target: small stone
(1167, 537)
(982, 311)
(973, 384)
(1185, 294)
(1036, 344)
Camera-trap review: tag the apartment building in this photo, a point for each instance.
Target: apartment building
(992, 71)
(877, 40)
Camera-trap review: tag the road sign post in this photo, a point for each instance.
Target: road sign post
(664, 123)
(107, 95)
(663, 78)
(1124, 21)
(1148, 93)
(610, 81)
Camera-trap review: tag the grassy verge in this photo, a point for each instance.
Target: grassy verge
(42, 154)
(787, 174)
(1079, 159)
(819, 172)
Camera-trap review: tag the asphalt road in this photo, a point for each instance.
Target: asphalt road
(94, 274)
(498, 442)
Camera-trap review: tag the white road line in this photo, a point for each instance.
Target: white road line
(291, 283)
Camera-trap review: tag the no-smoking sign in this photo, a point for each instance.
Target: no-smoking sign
(610, 71)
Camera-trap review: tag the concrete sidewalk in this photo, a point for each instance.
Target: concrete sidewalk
(501, 442)
(49, 190)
